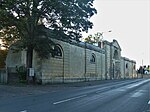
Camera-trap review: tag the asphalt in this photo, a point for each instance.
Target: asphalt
(12, 90)
(96, 96)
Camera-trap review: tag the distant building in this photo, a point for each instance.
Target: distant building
(77, 61)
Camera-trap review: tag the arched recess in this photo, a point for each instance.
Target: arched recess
(57, 64)
(116, 55)
(91, 68)
(58, 51)
(126, 65)
(116, 65)
(93, 58)
(113, 71)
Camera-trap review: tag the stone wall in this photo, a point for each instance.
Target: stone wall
(75, 64)
(107, 48)
(78, 61)
(13, 58)
(3, 76)
(123, 68)
(128, 68)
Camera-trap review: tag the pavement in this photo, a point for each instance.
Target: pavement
(12, 90)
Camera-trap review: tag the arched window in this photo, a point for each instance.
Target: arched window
(134, 67)
(57, 52)
(116, 55)
(92, 59)
(127, 66)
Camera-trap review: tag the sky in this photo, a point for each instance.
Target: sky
(129, 21)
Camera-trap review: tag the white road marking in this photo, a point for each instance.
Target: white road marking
(135, 85)
(143, 91)
(138, 94)
(66, 100)
(149, 102)
(120, 89)
(24, 111)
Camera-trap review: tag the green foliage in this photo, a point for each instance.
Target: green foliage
(3, 54)
(30, 24)
(6, 36)
(21, 71)
(92, 39)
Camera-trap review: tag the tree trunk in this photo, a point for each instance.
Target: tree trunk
(29, 57)
(29, 61)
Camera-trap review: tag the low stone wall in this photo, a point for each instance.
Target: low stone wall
(3, 76)
(143, 75)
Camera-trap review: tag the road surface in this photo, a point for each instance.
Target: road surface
(119, 96)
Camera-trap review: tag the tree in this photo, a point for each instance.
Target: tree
(30, 24)
(92, 39)
(3, 54)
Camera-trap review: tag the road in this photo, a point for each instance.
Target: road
(119, 96)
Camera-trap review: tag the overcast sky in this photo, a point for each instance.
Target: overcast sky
(129, 21)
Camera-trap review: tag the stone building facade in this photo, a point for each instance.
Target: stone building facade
(77, 61)
(117, 66)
